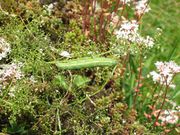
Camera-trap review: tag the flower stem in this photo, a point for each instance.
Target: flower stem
(164, 99)
(138, 85)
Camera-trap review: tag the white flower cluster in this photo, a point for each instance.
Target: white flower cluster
(125, 1)
(169, 116)
(10, 72)
(127, 28)
(129, 32)
(50, 7)
(141, 7)
(166, 72)
(4, 48)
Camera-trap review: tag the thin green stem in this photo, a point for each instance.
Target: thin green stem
(59, 122)
(101, 88)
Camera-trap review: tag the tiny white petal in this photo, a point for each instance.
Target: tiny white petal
(65, 54)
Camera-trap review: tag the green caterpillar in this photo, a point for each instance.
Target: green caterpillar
(86, 62)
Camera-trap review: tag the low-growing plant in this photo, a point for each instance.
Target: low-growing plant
(84, 67)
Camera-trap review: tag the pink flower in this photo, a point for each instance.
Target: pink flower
(141, 7)
(169, 116)
(11, 71)
(165, 72)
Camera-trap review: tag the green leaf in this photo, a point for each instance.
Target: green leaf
(80, 81)
(61, 81)
(176, 97)
(86, 62)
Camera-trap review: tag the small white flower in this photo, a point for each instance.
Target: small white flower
(90, 52)
(173, 86)
(149, 42)
(50, 7)
(156, 76)
(178, 108)
(130, 26)
(174, 67)
(12, 91)
(32, 79)
(123, 121)
(65, 54)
